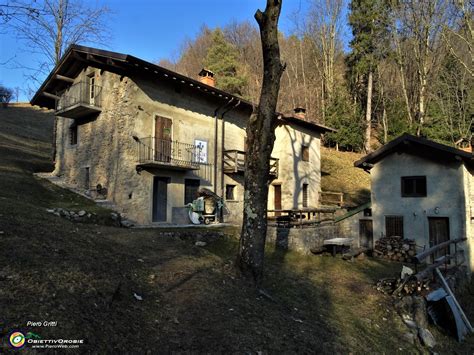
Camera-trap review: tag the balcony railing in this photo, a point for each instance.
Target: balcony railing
(155, 152)
(79, 100)
(234, 162)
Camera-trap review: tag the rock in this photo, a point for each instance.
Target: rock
(81, 213)
(361, 256)
(405, 247)
(114, 216)
(409, 338)
(137, 297)
(427, 338)
(89, 215)
(410, 323)
(200, 244)
(126, 223)
(419, 311)
(50, 210)
(2, 232)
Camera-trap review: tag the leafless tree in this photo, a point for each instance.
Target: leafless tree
(260, 139)
(48, 27)
(417, 28)
(323, 26)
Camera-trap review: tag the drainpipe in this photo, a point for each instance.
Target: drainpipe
(222, 153)
(216, 112)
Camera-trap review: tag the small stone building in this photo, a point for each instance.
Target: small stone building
(146, 139)
(422, 190)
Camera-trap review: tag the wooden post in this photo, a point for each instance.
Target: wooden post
(448, 290)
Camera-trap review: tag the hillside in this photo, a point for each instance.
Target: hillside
(338, 174)
(147, 291)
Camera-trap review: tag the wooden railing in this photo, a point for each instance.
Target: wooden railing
(442, 260)
(301, 217)
(81, 93)
(331, 198)
(234, 162)
(174, 153)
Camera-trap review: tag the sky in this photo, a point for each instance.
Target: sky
(148, 29)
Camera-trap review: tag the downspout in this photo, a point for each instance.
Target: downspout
(216, 113)
(221, 215)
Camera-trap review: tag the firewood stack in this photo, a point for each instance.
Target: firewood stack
(398, 287)
(395, 248)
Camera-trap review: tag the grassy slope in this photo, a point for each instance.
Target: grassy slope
(339, 174)
(84, 277)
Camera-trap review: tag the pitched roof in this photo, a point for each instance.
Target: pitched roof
(422, 147)
(78, 57)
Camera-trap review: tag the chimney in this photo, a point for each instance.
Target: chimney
(207, 77)
(300, 112)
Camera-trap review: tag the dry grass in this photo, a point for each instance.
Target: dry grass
(339, 174)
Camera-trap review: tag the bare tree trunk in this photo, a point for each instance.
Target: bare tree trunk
(368, 113)
(260, 139)
(384, 108)
(421, 101)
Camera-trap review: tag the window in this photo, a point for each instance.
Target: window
(414, 186)
(92, 88)
(305, 195)
(73, 135)
(229, 192)
(394, 226)
(191, 187)
(305, 153)
(87, 178)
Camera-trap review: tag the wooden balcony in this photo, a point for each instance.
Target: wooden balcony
(80, 100)
(234, 163)
(159, 153)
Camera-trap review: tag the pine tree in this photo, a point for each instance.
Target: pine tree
(222, 59)
(369, 22)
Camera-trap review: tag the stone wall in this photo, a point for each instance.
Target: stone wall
(107, 150)
(301, 240)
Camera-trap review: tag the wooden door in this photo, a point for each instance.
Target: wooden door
(277, 198)
(439, 233)
(163, 139)
(366, 235)
(160, 199)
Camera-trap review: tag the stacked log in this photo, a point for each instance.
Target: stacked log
(395, 248)
(398, 287)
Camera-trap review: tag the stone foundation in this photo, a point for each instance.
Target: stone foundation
(301, 240)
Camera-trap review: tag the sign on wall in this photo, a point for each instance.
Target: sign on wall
(201, 151)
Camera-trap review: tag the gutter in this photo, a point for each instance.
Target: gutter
(216, 113)
(230, 108)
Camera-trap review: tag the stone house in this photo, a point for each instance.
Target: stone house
(422, 190)
(146, 138)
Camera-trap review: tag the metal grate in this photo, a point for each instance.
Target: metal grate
(394, 226)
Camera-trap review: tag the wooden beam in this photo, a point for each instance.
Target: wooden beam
(51, 96)
(64, 78)
(448, 290)
(422, 256)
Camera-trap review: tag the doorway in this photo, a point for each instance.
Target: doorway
(439, 233)
(366, 235)
(277, 198)
(160, 199)
(163, 139)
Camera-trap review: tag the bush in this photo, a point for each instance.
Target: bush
(6, 94)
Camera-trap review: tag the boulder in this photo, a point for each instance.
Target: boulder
(427, 338)
(81, 213)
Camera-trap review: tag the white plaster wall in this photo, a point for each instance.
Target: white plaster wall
(445, 191)
(469, 214)
(293, 171)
